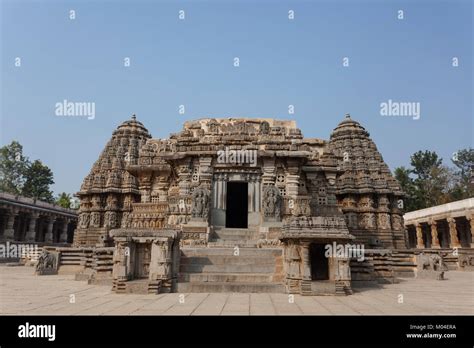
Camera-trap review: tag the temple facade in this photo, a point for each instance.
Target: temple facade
(238, 204)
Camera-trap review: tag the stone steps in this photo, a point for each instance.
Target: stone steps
(226, 277)
(234, 234)
(267, 252)
(228, 268)
(232, 237)
(230, 287)
(139, 286)
(225, 260)
(222, 243)
(219, 270)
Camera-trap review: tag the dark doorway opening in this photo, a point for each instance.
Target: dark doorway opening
(319, 262)
(236, 214)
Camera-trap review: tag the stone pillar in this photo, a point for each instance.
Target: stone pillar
(305, 287)
(48, 238)
(121, 267)
(292, 178)
(471, 225)
(20, 227)
(63, 235)
(453, 233)
(220, 182)
(185, 176)
(145, 187)
(257, 196)
(214, 192)
(269, 171)
(224, 191)
(3, 225)
(31, 235)
(163, 186)
(9, 231)
(306, 262)
(205, 171)
(434, 234)
(419, 236)
(252, 188)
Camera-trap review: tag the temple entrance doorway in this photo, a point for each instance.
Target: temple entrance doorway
(142, 260)
(236, 215)
(319, 262)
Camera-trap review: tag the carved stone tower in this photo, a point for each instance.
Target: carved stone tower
(108, 192)
(368, 194)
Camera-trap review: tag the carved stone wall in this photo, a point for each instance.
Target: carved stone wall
(301, 192)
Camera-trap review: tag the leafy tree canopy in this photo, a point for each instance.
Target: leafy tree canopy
(428, 182)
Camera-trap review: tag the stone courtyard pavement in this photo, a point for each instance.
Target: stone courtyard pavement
(23, 293)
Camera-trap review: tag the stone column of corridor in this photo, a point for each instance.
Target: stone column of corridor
(31, 235)
(434, 234)
(9, 231)
(63, 235)
(453, 233)
(49, 232)
(419, 237)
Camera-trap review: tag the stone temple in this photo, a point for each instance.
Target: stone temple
(237, 204)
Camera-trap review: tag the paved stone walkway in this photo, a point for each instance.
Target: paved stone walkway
(21, 292)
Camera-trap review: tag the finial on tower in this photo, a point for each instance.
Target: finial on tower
(348, 115)
(134, 117)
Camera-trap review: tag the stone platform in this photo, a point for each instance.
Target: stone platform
(216, 269)
(23, 293)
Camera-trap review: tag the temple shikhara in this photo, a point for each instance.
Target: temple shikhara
(237, 204)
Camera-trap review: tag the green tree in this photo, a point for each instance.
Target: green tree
(402, 174)
(64, 200)
(13, 166)
(423, 162)
(38, 179)
(428, 182)
(430, 179)
(464, 162)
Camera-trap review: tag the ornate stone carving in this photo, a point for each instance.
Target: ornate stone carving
(125, 220)
(110, 219)
(47, 263)
(84, 220)
(343, 269)
(95, 219)
(264, 128)
(397, 223)
(466, 262)
(293, 259)
(430, 266)
(384, 221)
(271, 202)
(200, 203)
(368, 221)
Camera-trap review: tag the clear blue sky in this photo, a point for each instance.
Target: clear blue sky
(190, 62)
